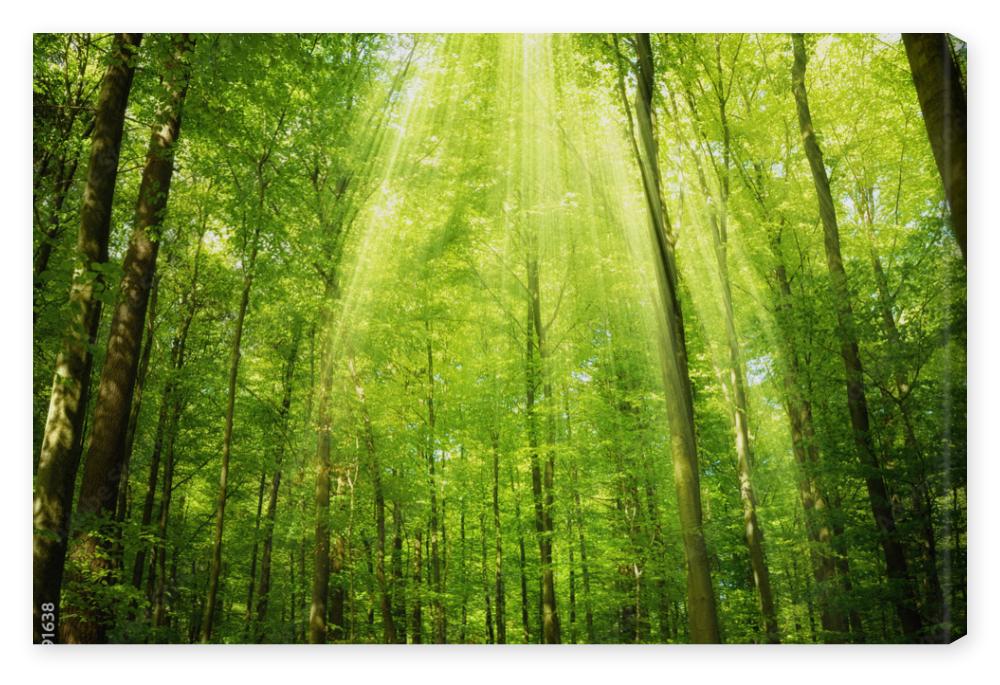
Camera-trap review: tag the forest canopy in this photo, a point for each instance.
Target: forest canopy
(497, 338)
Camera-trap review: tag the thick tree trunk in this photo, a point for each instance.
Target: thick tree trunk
(702, 618)
(938, 82)
(59, 458)
(105, 456)
(904, 598)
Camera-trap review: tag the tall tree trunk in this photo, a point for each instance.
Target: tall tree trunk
(139, 564)
(375, 466)
(321, 545)
(62, 183)
(105, 456)
(264, 589)
(806, 451)
(490, 636)
(921, 501)
(734, 384)
(59, 458)
(501, 600)
(904, 599)
(208, 620)
(121, 508)
(437, 604)
(702, 618)
(252, 584)
(541, 482)
(416, 616)
(172, 397)
(521, 560)
(398, 582)
(938, 82)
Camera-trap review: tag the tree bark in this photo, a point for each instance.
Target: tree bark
(59, 458)
(938, 82)
(904, 599)
(702, 618)
(105, 456)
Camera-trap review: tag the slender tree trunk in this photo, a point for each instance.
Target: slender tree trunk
(375, 466)
(321, 546)
(501, 599)
(398, 582)
(437, 604)
(338, 627)
(106, 453)
(149, 501)
(904, 599)
(264, 588)
(806, 451)
(416, 616)
(525, 623)
(920, 496)
(60, 190)
(177, 353)
(541, 482)
(160, 550)
(584, 565)
(227, 438)
(702, 618)
(59, 457)
(121, 508)
(735, 385)
(938, 82)
(252, 584)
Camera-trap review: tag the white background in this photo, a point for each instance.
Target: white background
(972, 659)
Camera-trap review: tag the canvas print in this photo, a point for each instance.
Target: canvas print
(499, 338)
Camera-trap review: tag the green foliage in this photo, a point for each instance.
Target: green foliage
(403, 185)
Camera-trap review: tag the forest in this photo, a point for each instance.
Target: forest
(498, 338)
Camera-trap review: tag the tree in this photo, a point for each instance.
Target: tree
(680, 411)
(941, 92)
(105, 455)
(62, 442)
(878, 496)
